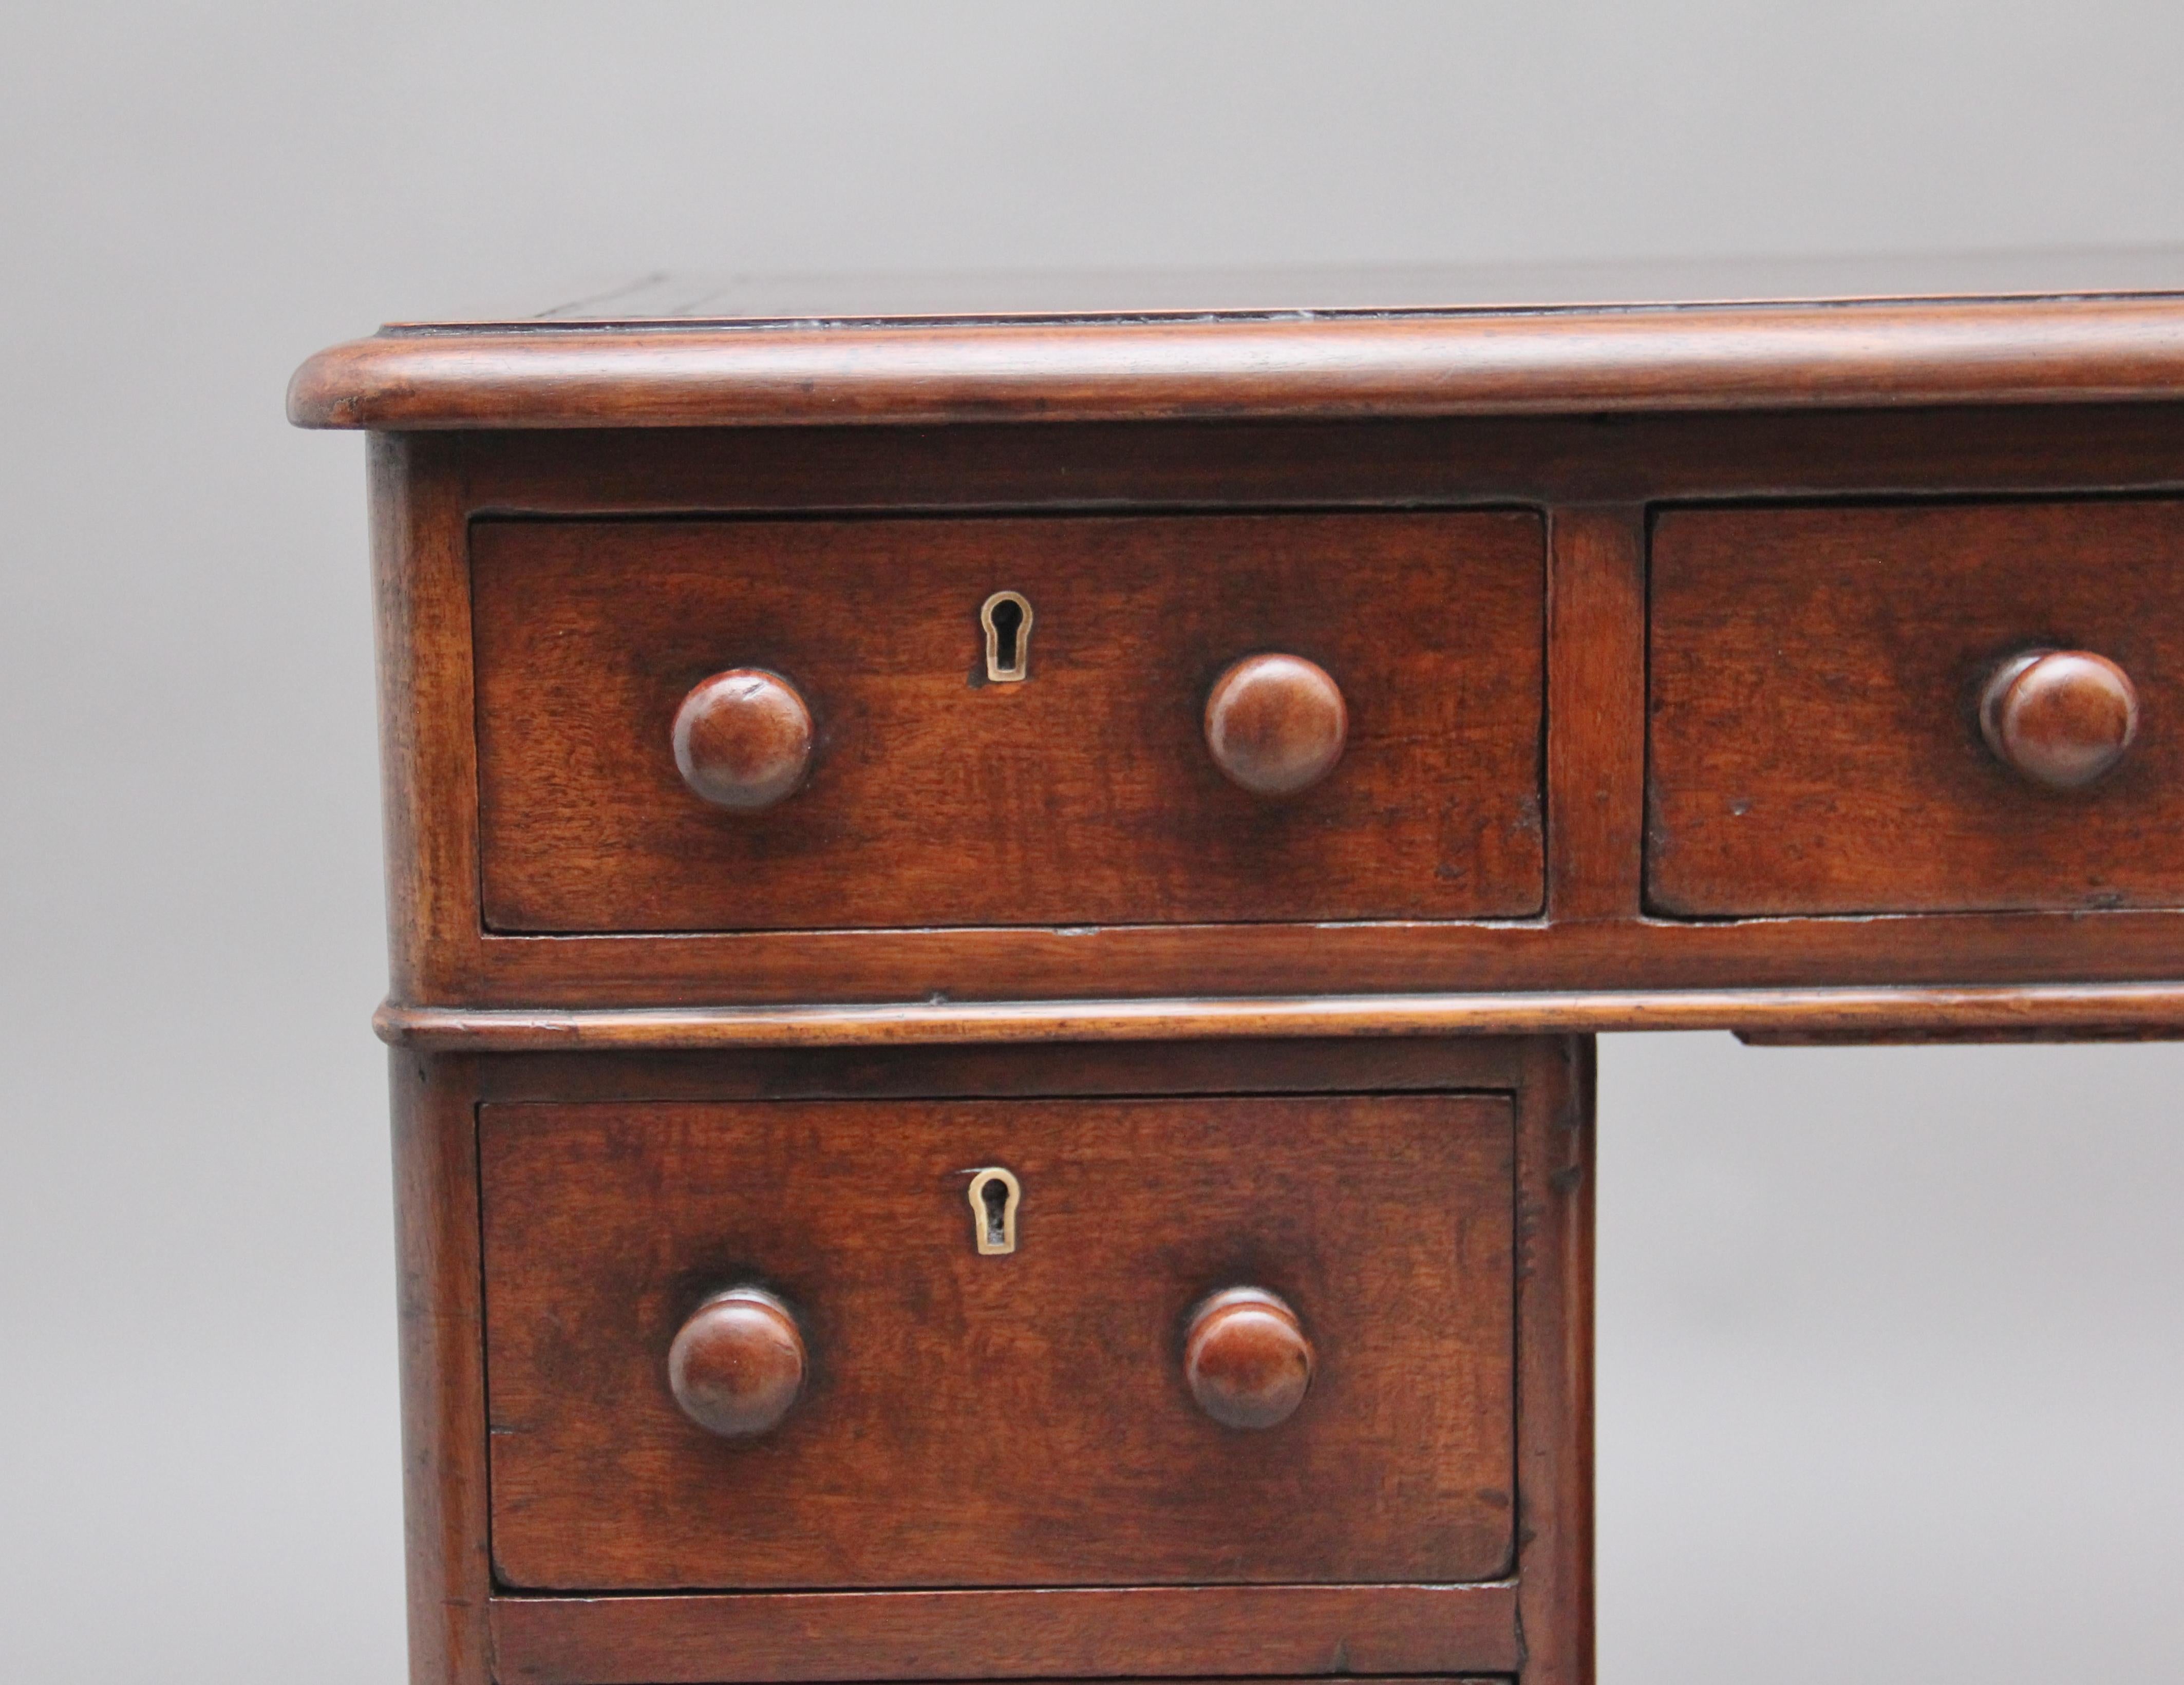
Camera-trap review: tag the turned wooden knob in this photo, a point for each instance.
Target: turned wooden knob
(738, 1364)
(1276, 724)
(1246, 1358)
(743, 739)
(2059, 717)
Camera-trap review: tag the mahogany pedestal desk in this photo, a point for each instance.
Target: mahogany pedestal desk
(998, 912)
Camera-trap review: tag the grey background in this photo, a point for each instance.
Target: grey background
(1890, 1344)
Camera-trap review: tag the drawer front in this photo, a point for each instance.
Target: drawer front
(1019, 1417)
(1819, 677)
(1085, 793)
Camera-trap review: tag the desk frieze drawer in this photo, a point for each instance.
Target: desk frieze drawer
(868, 1345)
(715, 725)
(1917, 709)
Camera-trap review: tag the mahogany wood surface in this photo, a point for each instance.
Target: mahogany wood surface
(1596, 740)
(1003, 1633)
(1011, 1633)
(1596, 765)
(1014, 1420)
(858, 970)
(1276, 724)
(2090, 1009)
(1369, 463)
(1817, 675)
(1210, 768)
(737, 1363)
(1247, 1359)
(2062, 718)
(741, 739)
(444, 1491)
(1155, 1632)
(1085, 794)
(1555, 1219)
(1226, 1065)
(1423, 363)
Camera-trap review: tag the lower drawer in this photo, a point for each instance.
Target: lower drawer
(985, 1344)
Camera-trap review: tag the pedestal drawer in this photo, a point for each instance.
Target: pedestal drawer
(985, 1343)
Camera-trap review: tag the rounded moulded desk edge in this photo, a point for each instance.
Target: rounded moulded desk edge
(2152, 1010)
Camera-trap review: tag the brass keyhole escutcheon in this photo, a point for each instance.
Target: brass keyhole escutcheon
(995, 1195)
(1006, 617)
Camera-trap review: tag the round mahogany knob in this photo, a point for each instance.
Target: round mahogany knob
(1246, 1358)
(738, 1364)
(2059, 717)
(743, 739)
(1276, 724)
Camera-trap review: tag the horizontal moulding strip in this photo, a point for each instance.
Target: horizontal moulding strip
(2034, 1011)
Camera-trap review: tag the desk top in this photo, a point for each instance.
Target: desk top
(737, 350)
(751, 299)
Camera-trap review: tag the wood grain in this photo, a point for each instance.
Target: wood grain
(1483, 362)
(738, 1364)
(1002, 1421)
(443, 954)
(1275, 724)
(1031, 924)
(1084, 795)
(1596, 684)
(443, 1386)
(427, 755)
(1247, 1359)
(444, 1495)
(2038, 951)
(2095, 1008)
(2062, 718)
(1002, 1070)
(1367, 463)
(1556, 1205)
(1156, 1632)
(741, 739)
(1815, 742)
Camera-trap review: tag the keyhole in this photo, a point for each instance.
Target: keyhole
(1006, 617)
(994, 1196)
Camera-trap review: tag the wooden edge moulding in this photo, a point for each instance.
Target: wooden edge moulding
(2125, 1010)
(1506, 363)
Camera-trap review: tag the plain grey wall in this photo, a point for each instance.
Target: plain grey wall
(1890, 1340)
